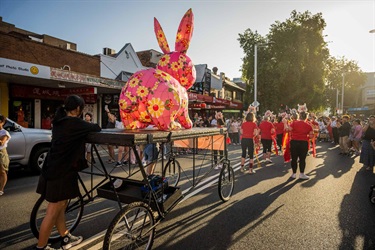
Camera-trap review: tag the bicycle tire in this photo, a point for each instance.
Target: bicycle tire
(226, 182)
(73, 215)
(132, 228)
(172, 171)
(372, 194)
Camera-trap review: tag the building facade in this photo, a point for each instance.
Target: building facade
(37, 73)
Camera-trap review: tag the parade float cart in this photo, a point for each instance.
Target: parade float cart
(145, 200)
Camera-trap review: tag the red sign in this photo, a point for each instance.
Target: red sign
(236, 105)
(199, 97)
(22, 91)
(221, 101)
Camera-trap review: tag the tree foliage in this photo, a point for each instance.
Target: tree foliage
(294, 65)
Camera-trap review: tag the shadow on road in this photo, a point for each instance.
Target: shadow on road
(357, 214)
(219, 232)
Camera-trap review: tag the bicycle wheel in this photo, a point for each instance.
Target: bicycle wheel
(172, 172)
(132, 228)
(226, 182)
(73, 215)
(372, 194)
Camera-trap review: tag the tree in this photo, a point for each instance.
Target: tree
(337, 71)
(291, 68)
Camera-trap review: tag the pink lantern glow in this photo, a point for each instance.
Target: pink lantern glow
(158, 96)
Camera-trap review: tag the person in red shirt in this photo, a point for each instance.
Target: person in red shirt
(266, 131)
(302, 131)
(249, 130)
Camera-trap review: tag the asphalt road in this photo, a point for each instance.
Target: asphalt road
(268, 210)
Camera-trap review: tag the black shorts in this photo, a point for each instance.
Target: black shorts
(64, 188)
(267, 144)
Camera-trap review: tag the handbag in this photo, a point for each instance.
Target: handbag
(228, 140)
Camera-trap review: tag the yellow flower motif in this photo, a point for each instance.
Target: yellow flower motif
(155, 107)
(144, 117)
(126, 116)
(183, 80)
(176, 66)
(161, 36)
(166, 76)
(173, 114)
(184, 104)
(178, 36)
(142, 91)
(131, 97)
(176, 96)
(133, 125)
(164, 60)
(134, 82)
(122, 103)
(181, 59)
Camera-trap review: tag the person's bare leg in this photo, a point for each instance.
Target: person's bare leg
(151, 168)
(53, 212)
(61, 222)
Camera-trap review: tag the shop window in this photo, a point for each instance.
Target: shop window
(110, 102)
(21, 111)
(48, 111)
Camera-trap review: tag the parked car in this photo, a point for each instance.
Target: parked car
(28, 147)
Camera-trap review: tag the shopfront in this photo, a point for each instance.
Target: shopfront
(206, 106)
(34, 107)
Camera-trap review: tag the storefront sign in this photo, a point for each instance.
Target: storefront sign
(198, 97)
(198, 105)
(216, 106)
(21, 91)
(236, 105)
(221, 101)
(14, 67)
(63, 75)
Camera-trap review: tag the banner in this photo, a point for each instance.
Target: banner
(215, 142)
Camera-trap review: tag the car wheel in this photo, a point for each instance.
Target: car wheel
(37, 159)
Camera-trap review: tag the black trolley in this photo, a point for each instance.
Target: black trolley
(134, 225)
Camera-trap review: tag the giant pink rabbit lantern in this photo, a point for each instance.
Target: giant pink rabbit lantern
(158, 96)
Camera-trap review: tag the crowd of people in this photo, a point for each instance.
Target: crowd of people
(293, 135)
(289, 134)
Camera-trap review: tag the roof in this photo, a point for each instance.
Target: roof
(201, 72)
(229, 83)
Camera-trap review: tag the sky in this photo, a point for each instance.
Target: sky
(95, 24)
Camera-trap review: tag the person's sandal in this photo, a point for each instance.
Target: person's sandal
(251, 171)
(242, 169)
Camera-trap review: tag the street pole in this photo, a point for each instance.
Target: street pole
(255, 72)
(342, 93)
(337, 100)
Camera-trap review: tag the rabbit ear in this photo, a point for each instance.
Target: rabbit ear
(162, 40)
(185, 32)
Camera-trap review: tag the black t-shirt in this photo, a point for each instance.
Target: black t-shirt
(344, 130)
(369, 134)
(67, 146)
(220, 123)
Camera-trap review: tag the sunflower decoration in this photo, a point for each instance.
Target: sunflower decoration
(131, 97)
(133, 82)
(142, 91)
(145, 117)
(155, 107)
(164, 60)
